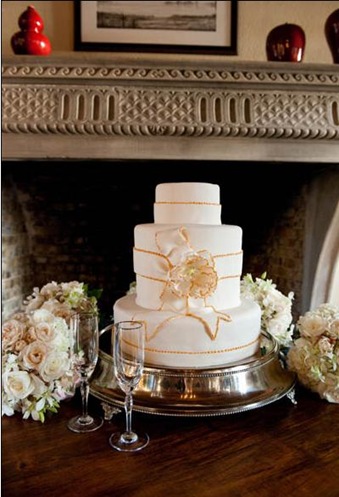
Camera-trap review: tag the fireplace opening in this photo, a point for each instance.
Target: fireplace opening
(74, 220)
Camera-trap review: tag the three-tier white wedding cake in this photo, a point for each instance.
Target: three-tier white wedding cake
(188, 268)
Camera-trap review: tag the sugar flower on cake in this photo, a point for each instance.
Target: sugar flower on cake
(188, 273)
(314, 356)
(36, 366)
(194, 276)
(276, 315)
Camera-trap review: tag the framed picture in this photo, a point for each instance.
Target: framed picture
(196, 27)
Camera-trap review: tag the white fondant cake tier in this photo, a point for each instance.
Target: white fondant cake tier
(163, 251)
(187, 203)
(201, 339)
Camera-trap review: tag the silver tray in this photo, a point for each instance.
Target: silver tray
(234, 388)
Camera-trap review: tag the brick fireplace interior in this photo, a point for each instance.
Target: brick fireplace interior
(74, 220)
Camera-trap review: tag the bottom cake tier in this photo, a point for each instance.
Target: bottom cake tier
(249, 384)
(202, 338)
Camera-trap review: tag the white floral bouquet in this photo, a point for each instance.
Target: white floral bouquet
(276, 308)
(314, 356)
(36, 365)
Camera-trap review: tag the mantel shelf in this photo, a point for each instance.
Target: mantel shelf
(165, 106)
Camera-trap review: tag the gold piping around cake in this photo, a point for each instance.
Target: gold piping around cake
(151, 252)
(200, 352)
(230, 276)
(220, 316)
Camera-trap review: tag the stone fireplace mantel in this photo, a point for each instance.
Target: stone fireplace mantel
(151, 106)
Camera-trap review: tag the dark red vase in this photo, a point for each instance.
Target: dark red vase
(285, 43)
(332, 34)
(30, 40)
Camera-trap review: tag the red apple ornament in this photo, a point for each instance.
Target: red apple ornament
(286, 43)
(30, 40)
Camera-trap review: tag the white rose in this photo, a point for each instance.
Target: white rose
(54, 366)
(12, 331)
(61, 334)
(33, 355)
(17, 384)
(42, 315)
(312, 326)
(44, 331)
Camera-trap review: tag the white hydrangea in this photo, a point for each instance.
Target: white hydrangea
(276, 308)
(314, 356)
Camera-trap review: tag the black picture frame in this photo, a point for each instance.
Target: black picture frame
(89, 37)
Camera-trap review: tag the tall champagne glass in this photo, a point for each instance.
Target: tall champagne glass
(84, 355)
(128, 357)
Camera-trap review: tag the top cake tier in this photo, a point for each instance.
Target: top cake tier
(187, 203)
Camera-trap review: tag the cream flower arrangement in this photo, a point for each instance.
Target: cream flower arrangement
(276, 308)
(314, 356)
(36, 366)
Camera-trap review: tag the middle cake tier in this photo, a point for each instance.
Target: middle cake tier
(187, 267)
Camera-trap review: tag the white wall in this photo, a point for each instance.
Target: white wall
(255, 20)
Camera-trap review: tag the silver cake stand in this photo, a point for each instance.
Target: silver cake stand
(238, 387)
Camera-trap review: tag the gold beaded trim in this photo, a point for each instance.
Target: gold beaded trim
(208, 352)
(151, 252)
(228, 277)
(158, 254)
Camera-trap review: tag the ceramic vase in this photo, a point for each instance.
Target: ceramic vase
(332, 34)
(30, 40)
(285, 43)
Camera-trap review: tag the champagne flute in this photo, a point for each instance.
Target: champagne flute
(128, 356)
(84, 355)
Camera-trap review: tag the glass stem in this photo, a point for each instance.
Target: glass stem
(128, 411)
(84, 389)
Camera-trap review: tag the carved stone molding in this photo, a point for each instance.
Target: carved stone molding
(166, 107)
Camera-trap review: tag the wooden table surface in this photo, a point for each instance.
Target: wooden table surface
(276, 450)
